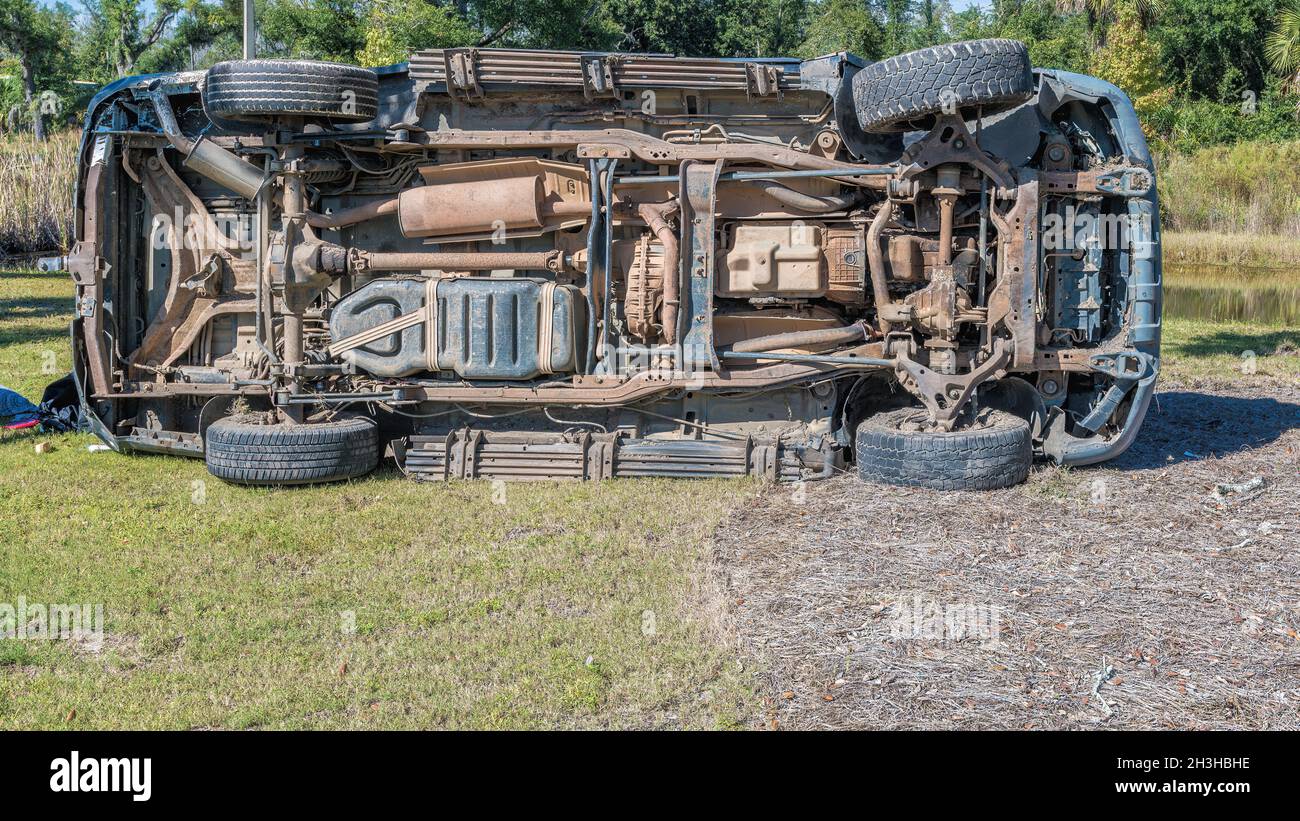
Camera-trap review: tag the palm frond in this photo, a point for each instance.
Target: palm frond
(1282, 44)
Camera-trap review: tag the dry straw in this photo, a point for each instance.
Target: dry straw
(36, 185)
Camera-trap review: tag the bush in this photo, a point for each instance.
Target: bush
(1250, 187)
(1186, 125)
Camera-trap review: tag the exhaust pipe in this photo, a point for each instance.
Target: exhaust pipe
(816, 338)
(206, 157)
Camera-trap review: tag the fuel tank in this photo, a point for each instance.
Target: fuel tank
(476, 327)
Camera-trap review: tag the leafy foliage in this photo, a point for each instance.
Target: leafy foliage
(1129, 61)
(1282, 46)
(843, 25)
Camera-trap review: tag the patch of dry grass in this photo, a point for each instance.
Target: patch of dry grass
(1232, 249)
(1128, 596)
(36, 192)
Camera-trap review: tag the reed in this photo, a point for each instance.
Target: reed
(36, 193)
(1230, 250)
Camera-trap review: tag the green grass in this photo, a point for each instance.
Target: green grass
(1215, 353)
(34, 347)
(569, 605)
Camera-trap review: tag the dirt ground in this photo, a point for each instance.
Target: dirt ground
(1143, 593)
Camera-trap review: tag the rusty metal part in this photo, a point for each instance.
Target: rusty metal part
(806, 202)
(596, 75)
(906, 258)
(352, 216)
(622, 143)
(946, 204)
(359, 261)
(656, 216)
(601, 391)
(1121, 181)
(773, 259)
(189, 253)
(206, 157)
(885, 314)
(1012, 302)
(946, 194)
(470, 207)
(945, 395)
(481, 206)
(949, 142)
(299, 285)
(940, 307)
(846, 265)
(821, 337)
(698, 198)
(645, 285)
(1057, 153)
(474, 453)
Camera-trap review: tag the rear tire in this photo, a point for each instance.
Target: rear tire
(261, 90)
(243, 451)
(903, 93)
(995, 451)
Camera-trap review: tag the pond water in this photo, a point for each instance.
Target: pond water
(1230, 294)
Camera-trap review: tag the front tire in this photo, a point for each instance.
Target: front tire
(994, 451)
(243, 451)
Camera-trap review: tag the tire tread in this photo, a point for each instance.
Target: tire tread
(994, 74)
(257, 89)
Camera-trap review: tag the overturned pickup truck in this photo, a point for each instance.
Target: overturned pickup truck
(522, 264)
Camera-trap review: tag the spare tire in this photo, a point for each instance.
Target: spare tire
(261, 90)
(902, 93)
(244, 451)
(994, 451)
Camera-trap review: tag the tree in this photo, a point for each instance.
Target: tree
(1055, 40)
(1282, 46)
(399, 27)
(683, 27)
(843, 25)
(1129, 61)
(1101, 14)
(931, 28)
(34, 36)
(119, 32)
(205, 32)
(898, 25)
(759, 28)
(332, 30)
(1215, 48)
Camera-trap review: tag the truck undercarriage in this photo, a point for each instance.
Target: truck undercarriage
(517, 264)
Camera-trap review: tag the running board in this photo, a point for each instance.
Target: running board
(521, 456)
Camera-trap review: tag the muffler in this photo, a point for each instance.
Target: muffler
(206, 157)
